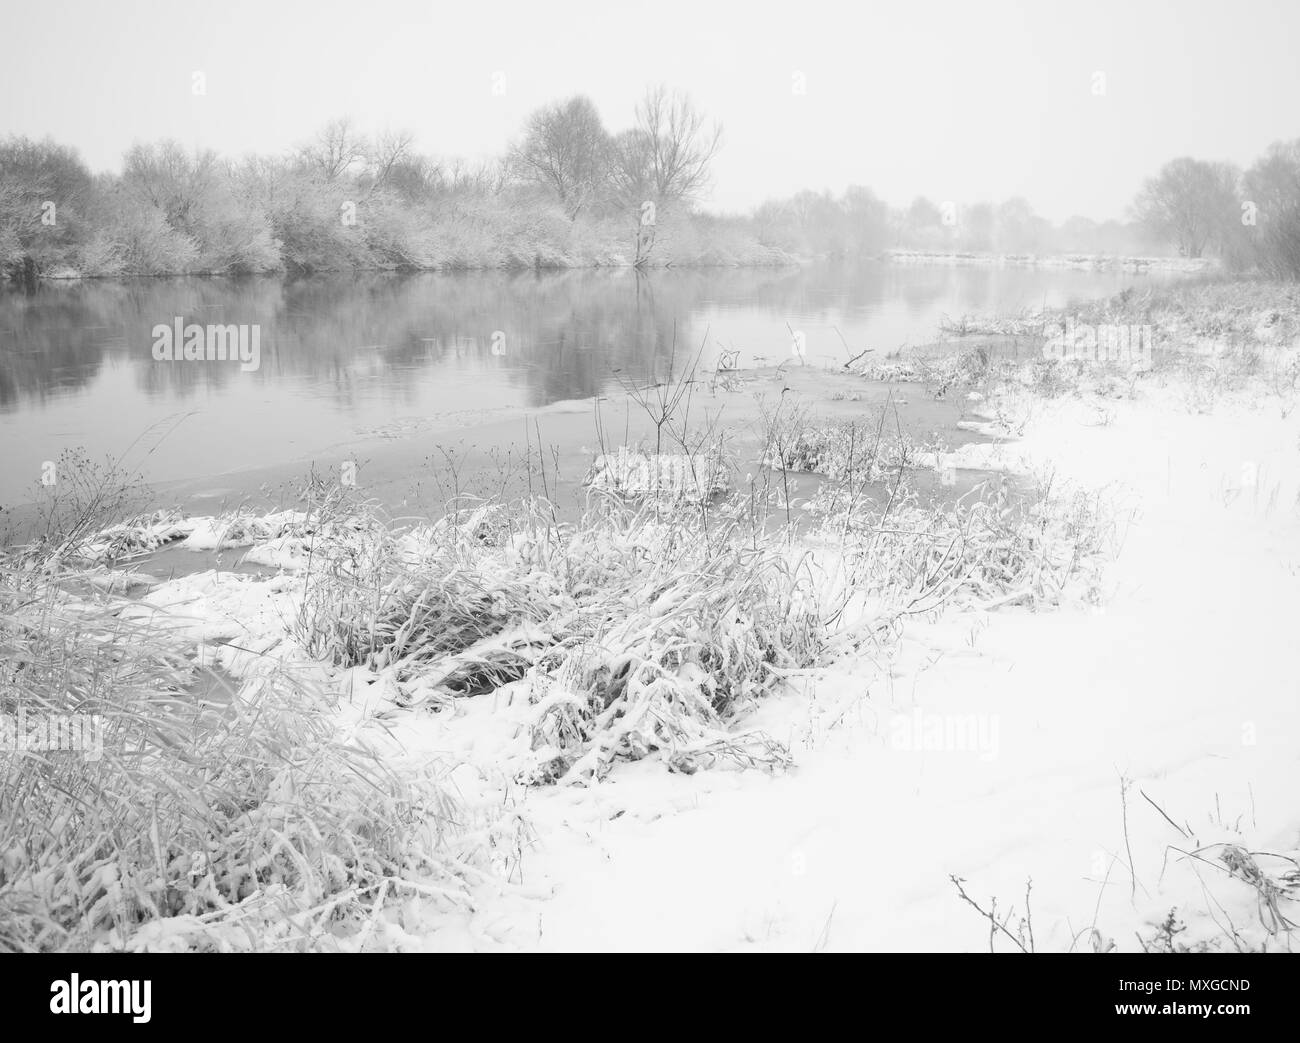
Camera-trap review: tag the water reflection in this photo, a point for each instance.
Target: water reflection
(343, 353)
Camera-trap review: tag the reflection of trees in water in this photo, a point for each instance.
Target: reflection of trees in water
(60, 337)
(49, 342)
(565, 333)
(919, 291)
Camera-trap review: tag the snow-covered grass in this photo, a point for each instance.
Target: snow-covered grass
(844, 450)
(293, 809)
(248, 823)
(221, 805)
(633, 632)
(1120, 756)
(1209, 336)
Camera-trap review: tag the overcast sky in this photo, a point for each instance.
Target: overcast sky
(955, 99)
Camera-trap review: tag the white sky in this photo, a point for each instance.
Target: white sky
(954, 99)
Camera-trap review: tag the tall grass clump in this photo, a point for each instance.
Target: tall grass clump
(1005, 541)
(245, 823)
(839, 449)
(640, 630)
(686, 631)
(999, 544)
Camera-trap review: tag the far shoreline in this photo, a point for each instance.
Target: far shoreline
(917, 258)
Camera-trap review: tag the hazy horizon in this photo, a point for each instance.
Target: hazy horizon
(945, 99)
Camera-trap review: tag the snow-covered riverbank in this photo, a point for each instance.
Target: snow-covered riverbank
(683, 727)
(1000, 747)
(1082, 262)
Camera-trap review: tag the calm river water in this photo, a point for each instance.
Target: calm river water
(349, 356)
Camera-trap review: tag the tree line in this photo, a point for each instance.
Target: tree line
(567, 192)
(1248, 218)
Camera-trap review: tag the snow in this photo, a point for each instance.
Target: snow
(1180, 691)
(997, 746)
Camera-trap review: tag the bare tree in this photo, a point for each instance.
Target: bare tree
(388, 151)
(667, 155)
(414, 178)
(1273, 182)
(1190, 203)
(32, 173)
(566, 149)
(976, 225)
(919, 220)
(663, 161)
(177, 182)
(1019, 229)
(630, 180)
(1272, 185)
(336, 149)
(462, 177)
(866, 220)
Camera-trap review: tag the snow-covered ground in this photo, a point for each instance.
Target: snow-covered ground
(1129, 754)
(1086, 262)
(1000, 747)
